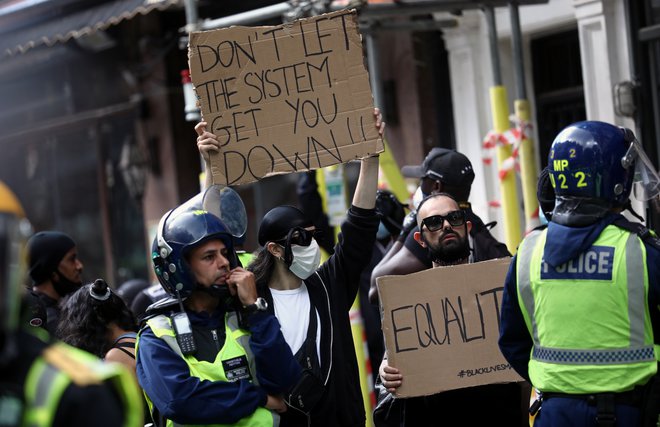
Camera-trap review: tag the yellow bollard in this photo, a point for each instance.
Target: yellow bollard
(364, 363)
(510, 210)
(528, 174)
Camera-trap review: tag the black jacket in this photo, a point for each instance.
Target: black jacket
(332, 291)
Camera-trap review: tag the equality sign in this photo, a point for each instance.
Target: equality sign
(441, 327)
(284, 98)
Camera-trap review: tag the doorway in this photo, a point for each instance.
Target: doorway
(558, 87)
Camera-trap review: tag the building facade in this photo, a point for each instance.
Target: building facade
(95, 143)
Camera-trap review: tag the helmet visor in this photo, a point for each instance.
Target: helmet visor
(226, 204)
(187, 232)
(646, 182)
(221, 201)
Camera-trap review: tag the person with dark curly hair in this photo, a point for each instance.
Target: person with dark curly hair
(96, 319)
(46, 382)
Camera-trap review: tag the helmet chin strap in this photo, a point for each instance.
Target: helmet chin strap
(630, 209)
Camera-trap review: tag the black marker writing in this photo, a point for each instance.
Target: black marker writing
(443, 322)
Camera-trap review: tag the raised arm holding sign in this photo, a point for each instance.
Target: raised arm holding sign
(285, 99)
(312, 302)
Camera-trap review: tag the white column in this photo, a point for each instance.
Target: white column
(605, 61)
(471, 77)
(605, 55)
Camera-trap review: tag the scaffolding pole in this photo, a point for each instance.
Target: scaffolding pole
(500, 112)
(528, 174)
(388, 166)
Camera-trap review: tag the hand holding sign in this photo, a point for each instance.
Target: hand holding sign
(207, 142)
(390, 376)
(441, 329)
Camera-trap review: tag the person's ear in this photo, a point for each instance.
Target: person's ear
(468, 225)
(54, 277)
(419, 239)
(275, 250)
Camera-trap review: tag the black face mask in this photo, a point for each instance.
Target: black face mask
(452, 252)
(579, 211)
(221, 292)
(64, 286)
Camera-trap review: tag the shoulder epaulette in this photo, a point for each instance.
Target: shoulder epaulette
(647, 235)
(163, 306)
(81, 374)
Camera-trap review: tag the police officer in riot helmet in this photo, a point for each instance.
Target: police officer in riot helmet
(47, 383)
(212, 339)
(579, 308)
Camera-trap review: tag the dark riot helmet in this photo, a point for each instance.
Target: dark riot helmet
(177, 235)
(585, 161)
(597, 160)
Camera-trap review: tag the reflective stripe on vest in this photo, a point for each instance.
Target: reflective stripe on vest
(598, 364)
(46, 382)
(44, 387)
(236, 345)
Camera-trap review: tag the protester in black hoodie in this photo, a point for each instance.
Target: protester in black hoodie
(312, 303)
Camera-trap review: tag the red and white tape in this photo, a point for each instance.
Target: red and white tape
(513, 137)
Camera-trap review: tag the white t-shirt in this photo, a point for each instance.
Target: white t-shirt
(292, 310)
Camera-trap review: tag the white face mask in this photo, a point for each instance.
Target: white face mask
(306, 259)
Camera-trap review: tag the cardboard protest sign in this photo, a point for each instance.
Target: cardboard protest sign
(284, 98)
(441, 327)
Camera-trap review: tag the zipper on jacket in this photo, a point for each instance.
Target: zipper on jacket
(215, 339)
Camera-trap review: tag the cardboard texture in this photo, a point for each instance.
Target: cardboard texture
(441, 327)
(285, 98)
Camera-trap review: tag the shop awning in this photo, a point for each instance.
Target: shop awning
(62, 29)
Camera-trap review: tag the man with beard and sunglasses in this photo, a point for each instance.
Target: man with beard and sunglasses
(55, 270)
(443, 232)
(442, 171)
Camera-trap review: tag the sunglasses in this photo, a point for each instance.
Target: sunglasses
(435, 222)
(298, 236)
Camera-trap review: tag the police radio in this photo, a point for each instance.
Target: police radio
(183, 331)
